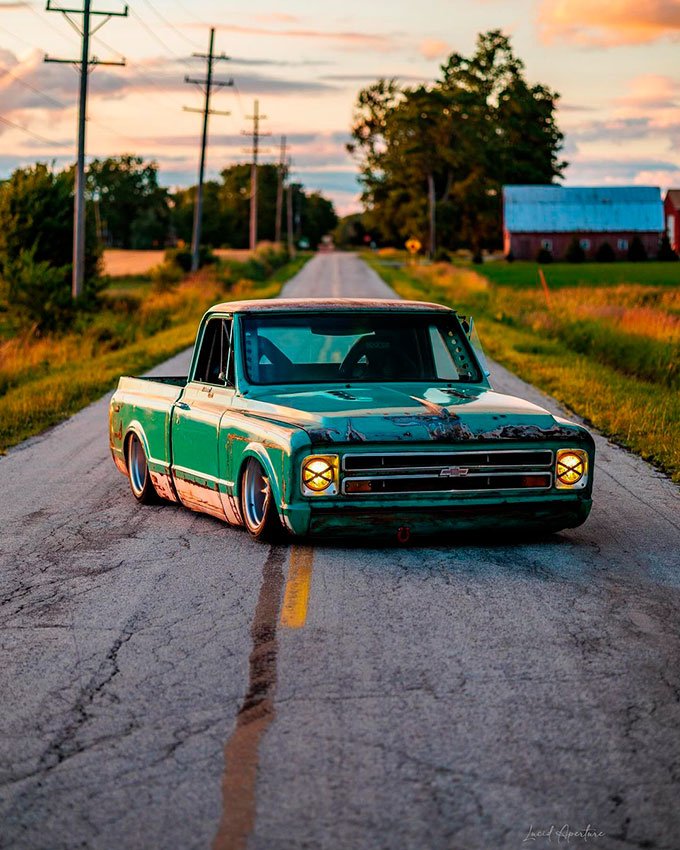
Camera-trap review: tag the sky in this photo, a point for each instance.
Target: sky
(614, 63)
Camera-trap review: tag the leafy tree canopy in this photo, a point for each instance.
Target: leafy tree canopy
(480, 126)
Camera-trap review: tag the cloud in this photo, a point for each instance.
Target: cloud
(608, 22)
(650, 92)
(617, 172)
(433, 48)
(348, 40)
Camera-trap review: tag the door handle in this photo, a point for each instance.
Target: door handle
(182, 405)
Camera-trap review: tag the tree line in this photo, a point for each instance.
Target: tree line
(445, 150)
(126, 208)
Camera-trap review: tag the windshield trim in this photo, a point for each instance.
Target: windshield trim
(435, 317)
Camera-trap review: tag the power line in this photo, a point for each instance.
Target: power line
(207, 86)
(169, 24)
(26, 130)
(85, 65)
(155, 35)
(23, 83)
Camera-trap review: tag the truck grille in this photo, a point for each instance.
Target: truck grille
(446, 472)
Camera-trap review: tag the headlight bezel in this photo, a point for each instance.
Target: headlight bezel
(309, 484)
(562, 457)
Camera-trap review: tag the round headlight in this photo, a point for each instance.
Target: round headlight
(317, 474)
(571, 467)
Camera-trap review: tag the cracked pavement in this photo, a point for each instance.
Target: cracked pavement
(450, 695)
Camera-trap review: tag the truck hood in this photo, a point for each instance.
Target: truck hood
(408, 413)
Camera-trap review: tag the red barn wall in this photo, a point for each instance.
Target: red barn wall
(525, 246)
(669, 209)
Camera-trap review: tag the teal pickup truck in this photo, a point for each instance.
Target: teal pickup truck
(347, 416)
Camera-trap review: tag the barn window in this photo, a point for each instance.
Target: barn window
(585, 244)
(622, 244)
(547, 244)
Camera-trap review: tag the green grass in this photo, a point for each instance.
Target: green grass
(604, 350)
(558, 275)
(44, 381)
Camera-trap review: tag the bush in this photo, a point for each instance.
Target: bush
(666, 253)
(510, 257)
(637, 253)
(575, 253)
(37, 293)
(182, 257)
(605, 253)
(165, 276)
(544, 256)
(441, 255)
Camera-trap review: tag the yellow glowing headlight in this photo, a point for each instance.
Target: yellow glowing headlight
(320, 475)
(571, 469)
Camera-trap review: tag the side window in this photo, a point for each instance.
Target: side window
(215, 361)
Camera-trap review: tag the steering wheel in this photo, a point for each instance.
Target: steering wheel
(379, 360)
(274, 354)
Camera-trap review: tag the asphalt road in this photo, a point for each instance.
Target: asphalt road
(165, 682)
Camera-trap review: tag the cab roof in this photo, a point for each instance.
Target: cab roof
(310, 305)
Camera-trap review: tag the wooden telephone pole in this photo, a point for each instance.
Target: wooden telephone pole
(207, 86)
(83, 66)
(256, 135)
(279, 190)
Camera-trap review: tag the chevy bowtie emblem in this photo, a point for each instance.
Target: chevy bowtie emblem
(453, 472)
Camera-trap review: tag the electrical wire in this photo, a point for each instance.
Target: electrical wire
(23, 83)
(163, 44)
(172, 26)
(29, 132)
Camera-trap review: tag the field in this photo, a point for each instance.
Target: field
(605, 341)
(45, 380)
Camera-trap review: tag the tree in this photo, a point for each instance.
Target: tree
(479, 127)
(133, 208)
(226, 209)
(36, 230)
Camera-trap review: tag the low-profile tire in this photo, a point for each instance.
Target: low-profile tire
(259, 512)
(138, 472)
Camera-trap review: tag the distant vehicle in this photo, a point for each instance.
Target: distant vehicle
(326, 245)
(303, 244)
(347, 417)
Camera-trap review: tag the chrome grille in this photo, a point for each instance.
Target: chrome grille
(446, 472)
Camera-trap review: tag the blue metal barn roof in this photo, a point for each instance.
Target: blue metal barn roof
(562, 209)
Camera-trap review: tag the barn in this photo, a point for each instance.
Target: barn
(671, 208)
(549, 217)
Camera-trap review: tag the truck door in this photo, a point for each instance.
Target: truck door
(196, 420)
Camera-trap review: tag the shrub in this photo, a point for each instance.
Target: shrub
(38, 294)
(666, 253)
(544, 256)
(182, 257)
(165, 276)
(441, 255)
(510, 257)
(637, 253)
(605, 253)
(575, 253)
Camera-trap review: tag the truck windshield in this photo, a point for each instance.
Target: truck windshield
(351, 347)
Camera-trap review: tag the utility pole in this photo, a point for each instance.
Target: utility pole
(83, 66)
(207, 86)
(431, 201)
(257, 135)
(279, 191)
(289, 217)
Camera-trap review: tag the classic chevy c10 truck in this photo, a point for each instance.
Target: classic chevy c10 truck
(347, 416)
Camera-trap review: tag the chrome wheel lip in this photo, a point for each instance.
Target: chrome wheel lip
(255, 495)
(137, 465)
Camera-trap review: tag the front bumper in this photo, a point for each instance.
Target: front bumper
(378, 519)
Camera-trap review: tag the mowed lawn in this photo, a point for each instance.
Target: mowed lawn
(604, 341)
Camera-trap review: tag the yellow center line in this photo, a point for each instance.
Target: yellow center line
(298, 585)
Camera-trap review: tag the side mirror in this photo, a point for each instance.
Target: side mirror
(468, 324)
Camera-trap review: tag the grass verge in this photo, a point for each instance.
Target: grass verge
(607, 352)
(44, 381)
